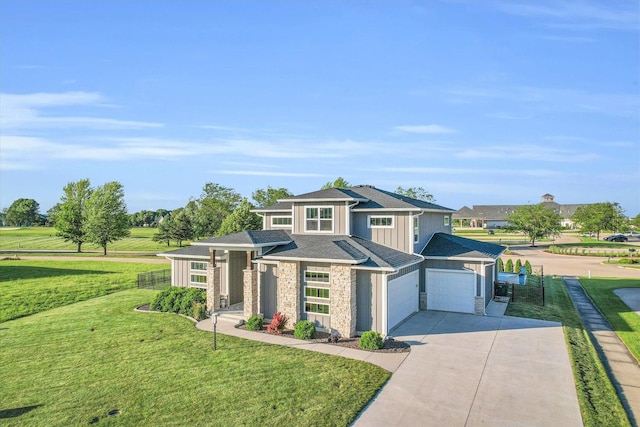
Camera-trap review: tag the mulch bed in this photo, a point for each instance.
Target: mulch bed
(390, 345)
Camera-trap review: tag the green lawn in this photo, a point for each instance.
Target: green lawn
(625, 322)
(599, 403)
(74, 364)
(29, 287)
(44, 238)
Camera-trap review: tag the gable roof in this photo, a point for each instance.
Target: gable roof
(246, 239)
(369, 198)
(443, 245)
(341, 249)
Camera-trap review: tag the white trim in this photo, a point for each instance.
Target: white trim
(280, 226)
(447, 221)
(319, 231)
(392, 217)
(348, 215)
(172, 257)
(328, 273)
(459, 258)
(413, 235)
(385, 305)
(231, 246)
(317, 303)
(335, 261)
(316, 287)
(342, 199)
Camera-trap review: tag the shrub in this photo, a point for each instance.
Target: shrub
(179, 300)
(255, 323)
(304, 330)
(199, 311)
(371, 340)
(527, 267)
(277, 323)
(509, 267)
(500, 265)
(518, 266)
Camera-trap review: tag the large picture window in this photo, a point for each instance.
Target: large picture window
(319, 219)
(377, 221)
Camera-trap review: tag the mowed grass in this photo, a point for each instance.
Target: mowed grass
(29, 287)
(625, 322)
(44, 238)
(599, 403)
(74, 364)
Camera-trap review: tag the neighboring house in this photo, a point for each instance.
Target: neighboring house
(495, 216)
(349, 260)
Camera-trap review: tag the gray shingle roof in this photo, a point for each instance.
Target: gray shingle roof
(450, 246)
(188, 251)
(342, 248)
(278, 207)
(248, 238)
(328, 193)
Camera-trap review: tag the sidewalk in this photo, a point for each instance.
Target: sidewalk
(389, 361)
(622, 367)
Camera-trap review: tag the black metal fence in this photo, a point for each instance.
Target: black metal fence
(530, 292)
(159, 279)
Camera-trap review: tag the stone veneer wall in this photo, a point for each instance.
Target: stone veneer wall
(250, 290)
(213, 288)
(289, 291)
(479, 307)
(343, 300)
(423, 300)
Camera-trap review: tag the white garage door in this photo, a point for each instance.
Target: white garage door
(402, 297)
(451, 290)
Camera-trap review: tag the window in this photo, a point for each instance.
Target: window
(316, 292)
(199, 280)
(312, 307)
(319, 219)
(416, 229)
(380, 221)
(200, 266)
(446, 221)
(281, 221)
(316, 276)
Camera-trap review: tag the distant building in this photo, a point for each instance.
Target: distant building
(495, 216)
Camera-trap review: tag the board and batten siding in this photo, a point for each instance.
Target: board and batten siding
(267, 221)
(339, 217)
(181, 271)
(430, 223)
(368, 301)
(399, 237)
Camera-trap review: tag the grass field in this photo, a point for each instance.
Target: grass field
(29, 287)
(625, 322)
(74, 364)
(501, 237)
(44, 238)
(599, 403)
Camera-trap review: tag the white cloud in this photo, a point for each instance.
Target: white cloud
(266, 173)
(26, 111)
(528, 152)
(425, 129)
(494, 171)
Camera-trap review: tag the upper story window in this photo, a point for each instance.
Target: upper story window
(379, 221)
(281, 221)
(446, 221)
(199, 266)
(319, 219)
(416, 229)
(316, 276)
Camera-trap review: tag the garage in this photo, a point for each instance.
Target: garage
(402, 297)
(451, 290)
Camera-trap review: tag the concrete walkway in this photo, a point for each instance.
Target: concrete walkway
(466, 370)
(388, 361)
(621, 365)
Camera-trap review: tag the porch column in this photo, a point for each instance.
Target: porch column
(288, 290)
(213, 283)
(343, 300)
(250, 290)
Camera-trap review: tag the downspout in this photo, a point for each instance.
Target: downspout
(348, 222)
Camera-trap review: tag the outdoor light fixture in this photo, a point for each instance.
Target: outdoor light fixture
(214, 320)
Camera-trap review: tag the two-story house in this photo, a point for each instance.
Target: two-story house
(350, 260)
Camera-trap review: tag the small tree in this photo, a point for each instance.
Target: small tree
(180, 226)
(22, 213)
(270, 196)
(105, 215)
(598, 217)
(69, 216)
(509, 267)
(518, 266)
(500, 265)
(241, 219)
(527, 268)
(163, 234)
(416, 193)
(340, 182)
(535, 221)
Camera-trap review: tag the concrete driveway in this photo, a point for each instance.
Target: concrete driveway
(466, 370)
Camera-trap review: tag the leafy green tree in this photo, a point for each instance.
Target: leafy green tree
(416, 193)
(241, 219)
(535, 221)
(509, 266)
(270, 196)
(500, 265)
(69, 218)
(181, 228)
(527, 267)
(340, 182)
(213, 206)
(635, 221)
(598, 217)
(23, 213)
(163, 235)
(105, 215)
(518, 266)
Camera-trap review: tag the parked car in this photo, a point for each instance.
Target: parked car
(632, 234)
(491, 232)
(616, 238)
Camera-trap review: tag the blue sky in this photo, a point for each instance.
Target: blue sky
(479, 102)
